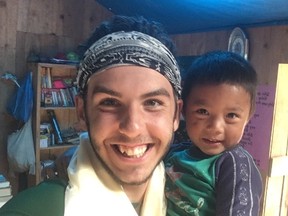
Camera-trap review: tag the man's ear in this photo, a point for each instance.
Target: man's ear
(80, 111)
(178, 111)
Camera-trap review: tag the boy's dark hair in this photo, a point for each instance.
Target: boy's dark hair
(220, 67)
(125, 23)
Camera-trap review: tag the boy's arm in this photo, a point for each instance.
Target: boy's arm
(238, 184)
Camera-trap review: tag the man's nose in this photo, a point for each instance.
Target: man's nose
(131, 121)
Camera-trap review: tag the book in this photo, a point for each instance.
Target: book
(70, 101)
(5, 191)
(64, 98)
(73, 93)
(49, 79)
(46, 97)
(3, 181)
(70, 136)
(4, 199)
(55, 126)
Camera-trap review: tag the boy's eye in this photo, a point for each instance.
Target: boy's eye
(202, 111)
(232, 115)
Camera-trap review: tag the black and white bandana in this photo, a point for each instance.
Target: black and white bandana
(129, 48)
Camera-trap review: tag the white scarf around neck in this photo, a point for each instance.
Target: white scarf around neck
(92, 191)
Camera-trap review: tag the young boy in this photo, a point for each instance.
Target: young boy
(214, 175)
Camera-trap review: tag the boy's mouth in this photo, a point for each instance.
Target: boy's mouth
(212, 141)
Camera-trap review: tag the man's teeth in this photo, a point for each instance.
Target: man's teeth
(133, 152)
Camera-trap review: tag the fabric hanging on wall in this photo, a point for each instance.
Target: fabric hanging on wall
(20, 149)
(20, 145)
(21, 103)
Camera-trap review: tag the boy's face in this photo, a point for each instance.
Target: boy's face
(216, 116)
(130, 116)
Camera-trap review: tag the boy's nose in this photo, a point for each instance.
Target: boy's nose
(216, 124)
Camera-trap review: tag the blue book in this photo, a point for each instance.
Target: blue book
(3, 181)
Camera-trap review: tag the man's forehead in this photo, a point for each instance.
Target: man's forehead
(98, 89)
(117, 80)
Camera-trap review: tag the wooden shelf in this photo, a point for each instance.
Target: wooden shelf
(65, 115)
(57, 107)
(65, 146)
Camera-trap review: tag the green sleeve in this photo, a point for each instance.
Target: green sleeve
(45, 199)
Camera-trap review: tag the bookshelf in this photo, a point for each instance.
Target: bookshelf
(54, 114)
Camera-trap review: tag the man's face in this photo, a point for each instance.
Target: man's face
(130, 115)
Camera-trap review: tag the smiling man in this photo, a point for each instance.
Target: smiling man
(129, 86)
(129, 104)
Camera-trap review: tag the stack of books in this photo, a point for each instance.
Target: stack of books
(5, 190)
(57, 91)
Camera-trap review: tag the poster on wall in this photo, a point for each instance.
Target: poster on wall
(256, 138)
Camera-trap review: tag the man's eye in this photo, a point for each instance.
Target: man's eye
(109, 102)
(153, 103)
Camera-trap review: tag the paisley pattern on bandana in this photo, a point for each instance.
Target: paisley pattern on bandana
(129, 48)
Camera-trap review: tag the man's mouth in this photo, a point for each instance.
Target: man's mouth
(132, 152)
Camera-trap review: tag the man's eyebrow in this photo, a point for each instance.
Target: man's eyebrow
(158, 92)
(103, 89)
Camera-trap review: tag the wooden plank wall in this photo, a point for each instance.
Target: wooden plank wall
(45, 27)
(268, 47)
